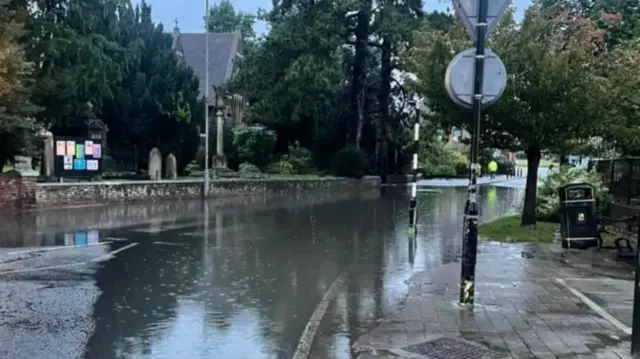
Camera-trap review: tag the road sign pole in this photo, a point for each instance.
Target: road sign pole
(470, 227)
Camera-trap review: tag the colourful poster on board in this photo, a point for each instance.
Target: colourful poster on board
(68, 239)
(80, 238)
(92, 165)
(79, 164)
(79, 151)
(71, 148)
(88, 148)
(61, 148)
(97, 150)
(67, 164)
(93, 237)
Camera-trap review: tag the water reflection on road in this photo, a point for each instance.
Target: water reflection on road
(238, 278)
(248, 288)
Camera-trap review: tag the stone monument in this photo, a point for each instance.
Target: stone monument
(155, 164)
(171, 166)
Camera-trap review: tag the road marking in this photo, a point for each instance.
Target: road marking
(112, 254)
(161, 228)
(170, 244)
(35, 250)
(116, 239)
(595, 307)
(310, 330)
(43, 268)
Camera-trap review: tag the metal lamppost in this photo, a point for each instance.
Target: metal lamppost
(205, 191)
(489, 82)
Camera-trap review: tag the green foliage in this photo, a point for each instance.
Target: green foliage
(254, 144)
(249, 171)
(548, 201)
(349, 162)
(17, 128)
(301, 159)
(224, 18)
(440, 163)
(281, 167)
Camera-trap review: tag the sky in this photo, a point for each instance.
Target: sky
(190, 13)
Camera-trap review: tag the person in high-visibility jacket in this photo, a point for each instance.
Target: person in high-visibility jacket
(492, 167)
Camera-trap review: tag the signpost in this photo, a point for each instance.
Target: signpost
(487, 71)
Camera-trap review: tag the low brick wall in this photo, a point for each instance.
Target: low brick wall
(16, 192)
(66, 194)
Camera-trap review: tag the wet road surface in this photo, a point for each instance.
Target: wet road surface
(226, 279)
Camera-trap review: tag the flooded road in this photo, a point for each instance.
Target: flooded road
(238, 278)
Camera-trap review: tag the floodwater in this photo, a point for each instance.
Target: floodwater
(241, 278)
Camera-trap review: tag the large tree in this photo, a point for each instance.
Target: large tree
(75, 62)
(156, 103)
(17, 125)
(555, 89)
(223, 17)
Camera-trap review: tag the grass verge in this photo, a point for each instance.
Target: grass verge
(508, 230)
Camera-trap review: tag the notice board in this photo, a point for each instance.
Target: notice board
(77, 157)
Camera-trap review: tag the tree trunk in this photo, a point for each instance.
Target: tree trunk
(384, 101)
(356, 105)
(531, 191)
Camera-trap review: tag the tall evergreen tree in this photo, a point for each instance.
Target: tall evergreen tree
(17, 125)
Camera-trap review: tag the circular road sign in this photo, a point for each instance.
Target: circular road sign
(458, 78)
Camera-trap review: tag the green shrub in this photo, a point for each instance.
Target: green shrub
(254, 144)
(247, 170)
(461, 164)
(301, 159)
(440, 163)
(282, 167)
(548, 200)
(505, 168)
(349, 162)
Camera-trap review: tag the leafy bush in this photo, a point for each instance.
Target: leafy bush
(254, 144)
(282, 167)
(440, 163)
(461, 164)
(301, 159)
(349, 162)
(505, 168)
(247, 170)
(548, 201)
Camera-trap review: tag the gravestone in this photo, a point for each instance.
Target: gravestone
(24, 165)
(171, 166)
(48, 154)
(155, 164)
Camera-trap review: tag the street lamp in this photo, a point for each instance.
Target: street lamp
(205, 191)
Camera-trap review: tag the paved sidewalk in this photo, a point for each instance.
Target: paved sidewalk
(525, 308)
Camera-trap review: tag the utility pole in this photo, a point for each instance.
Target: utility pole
(206, 101)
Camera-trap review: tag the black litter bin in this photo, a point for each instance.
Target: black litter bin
(578, 216)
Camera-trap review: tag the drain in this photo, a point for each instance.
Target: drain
(453, 348)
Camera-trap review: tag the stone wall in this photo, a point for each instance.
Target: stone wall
(70, 194)
(16, 192)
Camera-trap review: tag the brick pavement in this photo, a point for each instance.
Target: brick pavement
(521, 311)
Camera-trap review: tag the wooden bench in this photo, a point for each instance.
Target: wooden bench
(625, 232)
